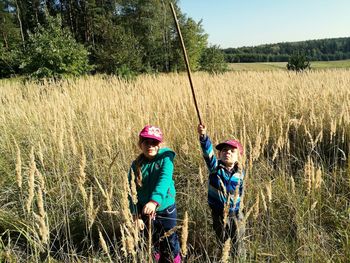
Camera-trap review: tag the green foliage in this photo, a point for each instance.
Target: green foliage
(152, 24)
(196, 41)
(122, 36)
(53, 52)
(125, 72)
(298, 62)
(316, 50)
(9, 61)
(117, 51)
(10, 42)
(213, 60)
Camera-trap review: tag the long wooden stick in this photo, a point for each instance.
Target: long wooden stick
(186, 61)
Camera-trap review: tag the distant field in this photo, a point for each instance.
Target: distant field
(282, 65)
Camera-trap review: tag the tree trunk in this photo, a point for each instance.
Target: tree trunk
(19, 21)
(4, 35)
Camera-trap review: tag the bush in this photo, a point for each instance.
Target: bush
(53, 52)
(213, 60)
(298, 62)
(9, 61)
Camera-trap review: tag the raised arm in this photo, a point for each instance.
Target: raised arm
(207, 148)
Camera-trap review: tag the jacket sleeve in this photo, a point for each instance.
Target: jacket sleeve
(208, 153)
(164, 180)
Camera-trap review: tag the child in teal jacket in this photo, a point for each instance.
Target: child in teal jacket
(153, 170)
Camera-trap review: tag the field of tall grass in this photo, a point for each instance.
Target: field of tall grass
(66, 147)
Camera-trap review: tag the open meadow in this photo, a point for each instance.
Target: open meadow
(267, 66)
(66, 148)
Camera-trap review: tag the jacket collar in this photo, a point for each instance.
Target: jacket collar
(221, 165)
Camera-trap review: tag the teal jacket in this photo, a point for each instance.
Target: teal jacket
(157, 181)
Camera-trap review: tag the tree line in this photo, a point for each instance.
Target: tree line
(315, 50)
(72, 37)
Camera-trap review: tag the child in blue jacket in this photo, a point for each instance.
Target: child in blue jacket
(225, 186)
(153, 170)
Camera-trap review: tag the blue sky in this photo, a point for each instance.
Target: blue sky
(234, 23)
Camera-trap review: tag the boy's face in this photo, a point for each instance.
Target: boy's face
(149, 148)
(229, 155)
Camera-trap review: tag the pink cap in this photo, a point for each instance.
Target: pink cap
(151, 132)
(233, 143)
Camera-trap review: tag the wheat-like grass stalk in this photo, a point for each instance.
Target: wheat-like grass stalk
(200, 175)
(263, 200)
(222, 185)
(90, 210)
(82, 175)
(333, 129)
(169, 232)
(104, 246)
(19, 178)
(184, 235)
(123, 240)
(313, 206)
(32, 169)
(72, 140)
(256, 206)
(105, 194)
(61, 140)
(133, 191)
(309, 171)
(318, 179)
(41, 218)
(292, 182)
(41, 155)
(226, 251)
(41, 180)
(257, 149)
(269, 191)
(226, 209)
(129, 241)
(236, 195)
(124, 203)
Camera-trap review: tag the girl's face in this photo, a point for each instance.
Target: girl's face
(229, 155)
(149, 148)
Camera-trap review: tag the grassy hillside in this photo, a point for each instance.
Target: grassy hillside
(66, 148)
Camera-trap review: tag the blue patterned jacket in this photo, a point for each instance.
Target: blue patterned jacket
(222, 182)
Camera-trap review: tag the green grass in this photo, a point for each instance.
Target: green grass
(331, 64)
(265, 66)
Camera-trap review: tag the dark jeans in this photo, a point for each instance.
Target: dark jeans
(233, 229)
(167, 247)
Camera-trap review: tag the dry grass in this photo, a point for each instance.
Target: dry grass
(295, 128)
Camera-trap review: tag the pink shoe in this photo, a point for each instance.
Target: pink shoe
(177, 259)
(156, 256)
